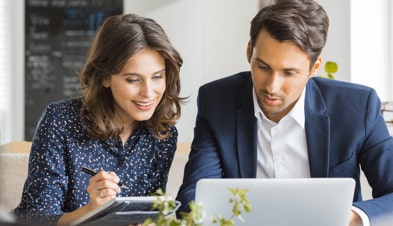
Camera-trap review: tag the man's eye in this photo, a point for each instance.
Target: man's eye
(290, 73)
(263, 67)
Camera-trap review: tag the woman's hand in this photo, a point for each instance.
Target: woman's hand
(103, 187)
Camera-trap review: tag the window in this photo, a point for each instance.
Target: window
(5, 66)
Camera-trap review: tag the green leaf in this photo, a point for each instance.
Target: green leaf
(195, 216)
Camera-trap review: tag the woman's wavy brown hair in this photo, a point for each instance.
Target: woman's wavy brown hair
(118, 39)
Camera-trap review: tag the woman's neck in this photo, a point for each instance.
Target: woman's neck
(126, 133)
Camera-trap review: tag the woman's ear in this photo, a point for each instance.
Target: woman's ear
(106, 82)
(249, 51)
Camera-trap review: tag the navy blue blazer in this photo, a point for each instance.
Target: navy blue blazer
(344, 129)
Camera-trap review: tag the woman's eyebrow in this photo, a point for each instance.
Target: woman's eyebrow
(137, 74)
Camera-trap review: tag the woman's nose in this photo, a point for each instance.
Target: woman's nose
(146, 89)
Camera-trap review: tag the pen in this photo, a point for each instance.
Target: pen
(92, 173)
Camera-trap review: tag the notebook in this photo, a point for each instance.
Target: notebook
(281, 202)
(122, 211)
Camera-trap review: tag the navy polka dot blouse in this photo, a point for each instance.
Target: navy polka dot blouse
(55, 182)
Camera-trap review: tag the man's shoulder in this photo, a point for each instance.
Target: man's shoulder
(230, 93)
(235, 81)
(335, 93)
(329, 86)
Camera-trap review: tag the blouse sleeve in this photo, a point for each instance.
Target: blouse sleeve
(44, 189)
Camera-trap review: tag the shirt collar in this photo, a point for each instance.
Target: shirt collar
(297, 112)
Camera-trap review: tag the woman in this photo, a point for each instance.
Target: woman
(123, 126)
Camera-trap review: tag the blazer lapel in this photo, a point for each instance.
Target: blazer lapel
(317, 131)
(246, 133)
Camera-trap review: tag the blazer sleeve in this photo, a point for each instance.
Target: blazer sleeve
(203, 159)
(376, 160)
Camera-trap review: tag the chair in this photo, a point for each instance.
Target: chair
(14, 157)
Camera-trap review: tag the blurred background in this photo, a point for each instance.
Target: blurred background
(43, 43)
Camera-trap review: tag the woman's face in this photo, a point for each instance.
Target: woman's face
(139, 87)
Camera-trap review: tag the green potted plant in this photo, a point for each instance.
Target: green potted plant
(331, 68)
(164, 206)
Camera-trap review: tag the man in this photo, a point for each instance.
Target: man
(282, 121)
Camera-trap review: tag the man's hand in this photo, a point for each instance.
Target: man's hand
(355, 219)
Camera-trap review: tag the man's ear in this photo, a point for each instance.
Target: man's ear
(316, 66)
(249, 51)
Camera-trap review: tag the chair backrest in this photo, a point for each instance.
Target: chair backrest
(176, 172)
(16, 147)
(14, 158)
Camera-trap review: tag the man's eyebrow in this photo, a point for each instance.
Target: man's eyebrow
(259, 60)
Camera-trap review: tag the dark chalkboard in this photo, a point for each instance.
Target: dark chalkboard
(58, 34)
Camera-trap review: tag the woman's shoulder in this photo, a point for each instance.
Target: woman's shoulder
(147, 134)
(61, 118)
(173, 134)
(170, 142)
(66, 103)
(65, 106)
(63, 110)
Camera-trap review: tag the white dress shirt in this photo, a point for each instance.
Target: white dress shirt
(283, 154)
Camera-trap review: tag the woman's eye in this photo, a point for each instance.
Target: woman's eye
(132, 80)
(157, 77)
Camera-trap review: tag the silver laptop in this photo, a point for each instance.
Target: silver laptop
(281, 202)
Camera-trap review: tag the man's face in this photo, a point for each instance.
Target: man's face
(280, 71)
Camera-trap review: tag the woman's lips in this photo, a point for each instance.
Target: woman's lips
(144, 105)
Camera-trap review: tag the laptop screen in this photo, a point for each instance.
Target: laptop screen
(281, 202)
